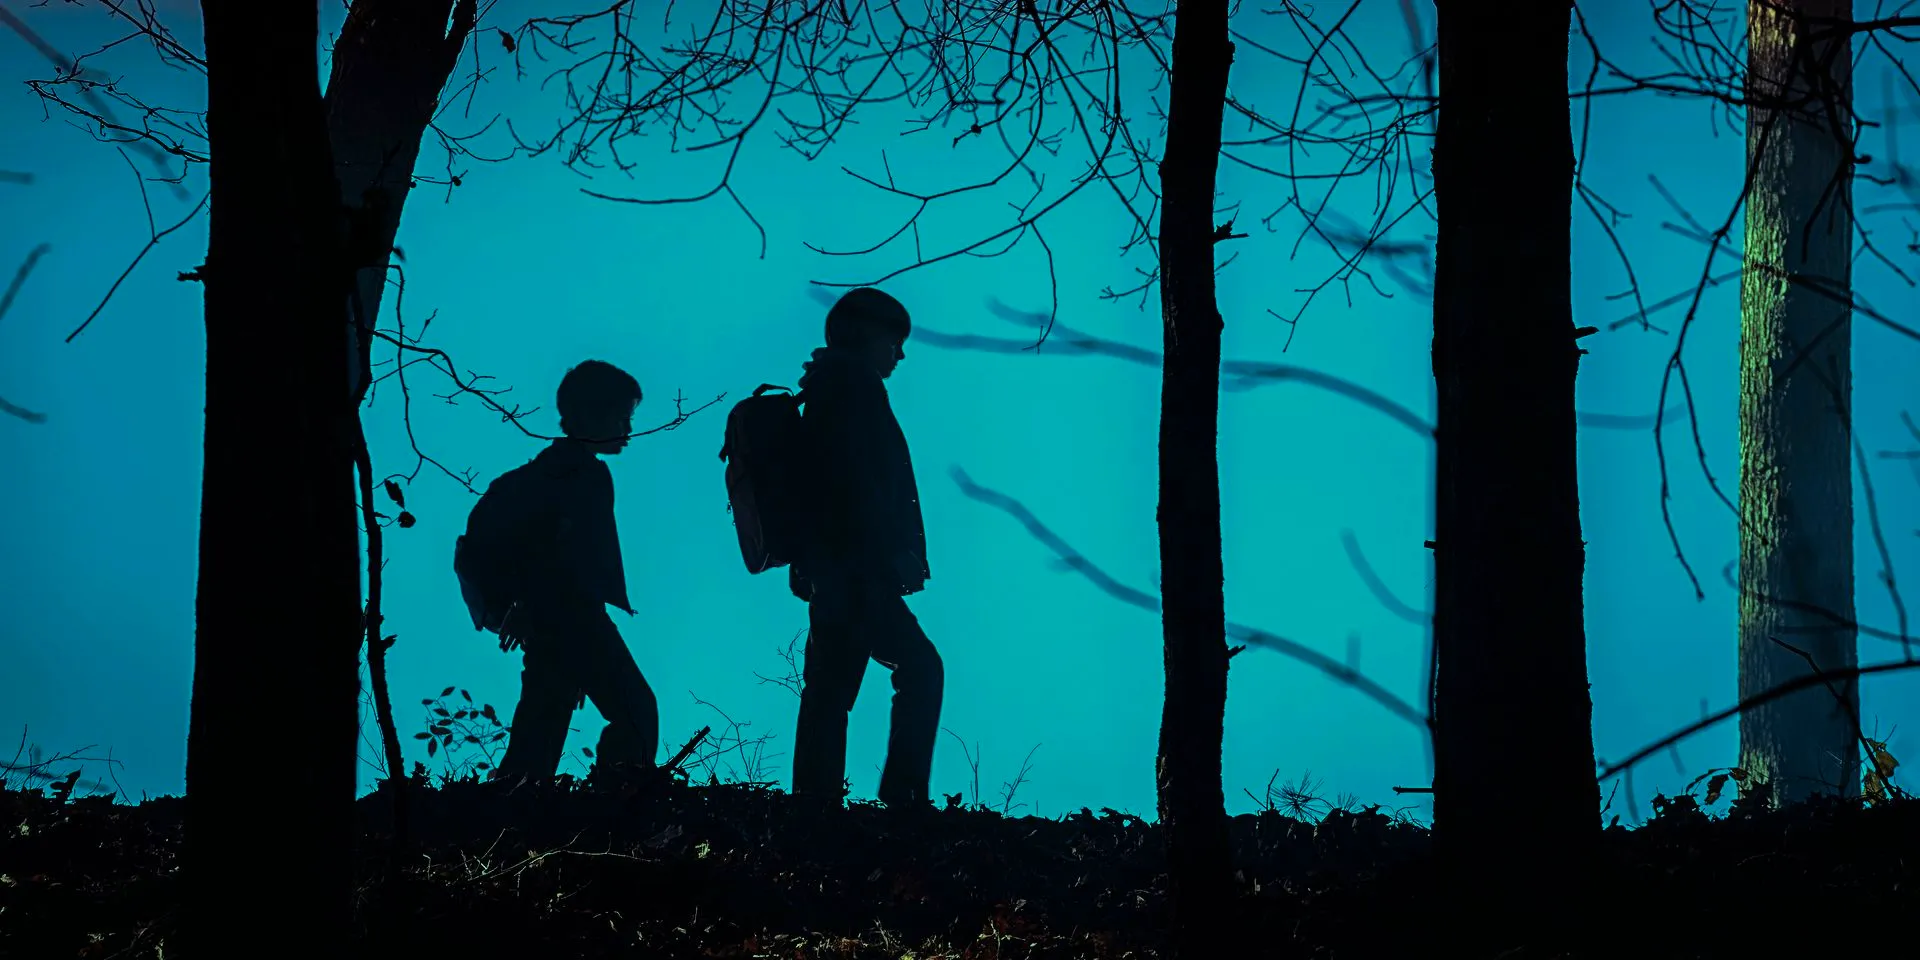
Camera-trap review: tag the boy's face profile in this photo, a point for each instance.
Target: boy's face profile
(596, 401)
(884, 349)
(609, 431)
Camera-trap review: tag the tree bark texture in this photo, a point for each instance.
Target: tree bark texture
(275, 715)
(1516, 803)
(1796, 434)
(1192, 804)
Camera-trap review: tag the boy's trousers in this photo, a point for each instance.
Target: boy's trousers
(571, 655)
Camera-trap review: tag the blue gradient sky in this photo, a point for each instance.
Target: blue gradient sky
(526, 275)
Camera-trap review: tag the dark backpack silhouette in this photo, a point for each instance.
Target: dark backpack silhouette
(490, 558)
(764, 442)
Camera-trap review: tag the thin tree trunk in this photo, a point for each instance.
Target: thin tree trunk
(376, 642)
(1796, 480)
(271, 747)
(391, 61)
(1516, 804)
(1193, 599)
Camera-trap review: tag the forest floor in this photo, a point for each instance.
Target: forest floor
(568, 870)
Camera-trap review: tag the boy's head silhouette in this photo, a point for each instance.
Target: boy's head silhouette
(596, 401)
(872, 324)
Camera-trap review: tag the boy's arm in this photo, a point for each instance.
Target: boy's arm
(576, 526)
(843, 421)
(601, 537)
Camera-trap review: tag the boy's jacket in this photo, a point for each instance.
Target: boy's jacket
(572, 490)
(867, 506)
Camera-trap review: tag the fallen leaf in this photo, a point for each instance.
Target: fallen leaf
(1714, 786)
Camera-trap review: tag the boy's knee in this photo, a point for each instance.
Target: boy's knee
(830, 692)
(641, 698)
(929, 672)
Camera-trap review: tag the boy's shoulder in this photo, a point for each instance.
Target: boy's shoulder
(565, 466)
(512, 480)
(843, 385)
(543, 472)
(549, 485)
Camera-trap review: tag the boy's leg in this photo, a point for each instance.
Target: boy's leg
(836, 660)
(919, 683)
(548, 693)
(612, 680)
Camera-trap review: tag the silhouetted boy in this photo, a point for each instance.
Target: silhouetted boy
(563, 571)
(867, 553)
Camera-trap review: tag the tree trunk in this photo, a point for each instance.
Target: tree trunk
(1516, 804)
(1796, 481)
(271, 746)
(1193, 600)
(390, 63)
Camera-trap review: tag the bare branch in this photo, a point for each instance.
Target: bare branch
(1344, 673)
(20, 276)
(6, 303)
(156, 138)
(154, 236)
(801, 70)
(1237, 375)
(1378, 587)
(1805, 682)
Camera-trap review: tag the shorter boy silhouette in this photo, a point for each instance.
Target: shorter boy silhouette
(568, 572)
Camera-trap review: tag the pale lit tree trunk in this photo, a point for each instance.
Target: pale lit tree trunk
(1516, 805)
(1193, 592)
(1796, 480)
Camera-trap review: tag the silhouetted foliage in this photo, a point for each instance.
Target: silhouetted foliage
(731, 871)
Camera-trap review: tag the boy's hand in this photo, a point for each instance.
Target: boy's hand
(513, 630)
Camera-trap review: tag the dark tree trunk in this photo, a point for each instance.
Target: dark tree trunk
(1796, 430)
(1516, 803)
(1193, 598)
(390, 63)
(271, 747)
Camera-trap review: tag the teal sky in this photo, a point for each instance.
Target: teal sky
(526, 275)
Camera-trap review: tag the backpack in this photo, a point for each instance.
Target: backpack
(487, 558)
(764, 441)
